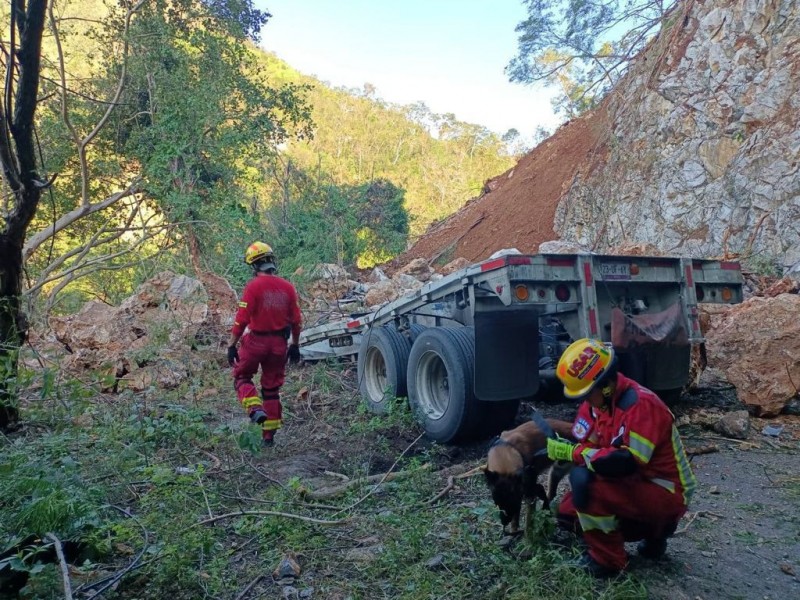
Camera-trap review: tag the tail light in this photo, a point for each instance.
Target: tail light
(521, 292)
(562, 293)
(698, 291)
(727, 294)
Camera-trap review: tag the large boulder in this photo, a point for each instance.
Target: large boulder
(756, 345)
(418, 269)
(329, 281)
(151, 328)
(455, 265)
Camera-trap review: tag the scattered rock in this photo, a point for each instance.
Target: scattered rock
(455, 265)
(435, 561)
(406, 282)
(562, 247)
(288, 567)
(307, 593)
(734, 425)
(381, 292)
(713, 489)
(377, 275)
(365, 554)
(785, 285)
(417, 268)
(504, 252)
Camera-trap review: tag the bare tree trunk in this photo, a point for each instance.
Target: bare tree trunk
(21, 181)
(12, 329)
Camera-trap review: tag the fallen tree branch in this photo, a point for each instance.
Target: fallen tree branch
(63, 563)
(269, 513)
(336, 490)
(249, 587)
(705, 449)
(451, 483)
(694, 515)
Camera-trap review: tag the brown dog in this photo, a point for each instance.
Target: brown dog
(513, 467)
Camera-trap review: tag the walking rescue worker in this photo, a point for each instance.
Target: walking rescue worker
(633, 480)
(270, 311)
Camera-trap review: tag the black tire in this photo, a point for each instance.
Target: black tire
(440, 383)
(382, 363)
(415, 330)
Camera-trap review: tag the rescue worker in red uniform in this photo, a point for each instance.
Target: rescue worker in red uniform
(632, 480)
(270, 312)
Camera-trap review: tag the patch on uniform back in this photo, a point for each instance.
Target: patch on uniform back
(580, 428)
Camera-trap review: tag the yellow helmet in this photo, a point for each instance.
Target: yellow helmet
(256, 251)
(583, 365)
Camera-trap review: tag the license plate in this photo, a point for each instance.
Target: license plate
(615, 271)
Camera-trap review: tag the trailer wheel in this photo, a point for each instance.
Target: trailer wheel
(440, 383)
(382, 362)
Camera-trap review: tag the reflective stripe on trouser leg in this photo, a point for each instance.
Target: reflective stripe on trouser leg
(272, 406)
(606, 542)
(251, 402)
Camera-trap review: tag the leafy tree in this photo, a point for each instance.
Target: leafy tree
(150, 116)
(583, 46)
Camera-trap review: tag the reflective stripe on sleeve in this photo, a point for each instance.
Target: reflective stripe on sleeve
(664, 483)
(242, 304)
(688, 480)
(606, 524)
(641, 447)
(587, 454)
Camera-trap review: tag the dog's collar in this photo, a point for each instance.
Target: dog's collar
(501, 442)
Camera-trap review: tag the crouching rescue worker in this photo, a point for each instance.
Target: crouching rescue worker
(270, 311)
(632, 480)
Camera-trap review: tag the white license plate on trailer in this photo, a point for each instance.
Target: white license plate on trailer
(615, 271)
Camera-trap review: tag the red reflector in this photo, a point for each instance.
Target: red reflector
(519, 260)
(592, 321)
(689, 277)
(493, 264)
(562, 293)
(354, 324)
(587, 274)
(730, 266)
(561, 262)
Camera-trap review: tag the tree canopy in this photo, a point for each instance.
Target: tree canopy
(583, 46)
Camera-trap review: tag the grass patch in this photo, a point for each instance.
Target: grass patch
(125, 481)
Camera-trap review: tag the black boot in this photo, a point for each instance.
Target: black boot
(257, 416)
(594, 568)
(652, 549)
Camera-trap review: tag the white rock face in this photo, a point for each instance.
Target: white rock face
(704, 144)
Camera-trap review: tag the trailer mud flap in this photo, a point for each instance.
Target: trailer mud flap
(506, 354)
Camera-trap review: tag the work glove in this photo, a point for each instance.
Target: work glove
(294, 354)
(233, 355)
(560, 449)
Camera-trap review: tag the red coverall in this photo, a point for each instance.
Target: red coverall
(634, 481)
(270, 311)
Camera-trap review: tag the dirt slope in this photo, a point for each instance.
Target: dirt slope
(517, 208)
